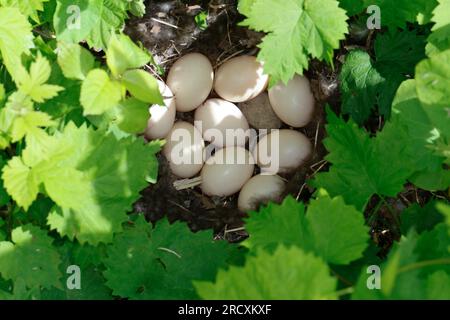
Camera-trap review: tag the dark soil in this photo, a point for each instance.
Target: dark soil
(169, 31)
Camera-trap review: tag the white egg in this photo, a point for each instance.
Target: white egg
(184, 150)
(162, 118)
(282, 151)
(240, 79)
(260, 190)
(191, 80)
(293, 103)
(227, 171)
(222, 123)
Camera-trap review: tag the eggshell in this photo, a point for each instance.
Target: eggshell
(222, 123)
(191, 80)
(162, 118)
(240, 79)
(260, 190)
(184, 150)
(293, 103)
(259, 113)
(282, 151)
(227, 171)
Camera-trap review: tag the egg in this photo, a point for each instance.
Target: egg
(191, 81)
(293, 103)
(240, 79)
(227, 171)
(282, 151)
(184, 150)
(259, 113)
(260, 190)
(162, 118)
(222, 123)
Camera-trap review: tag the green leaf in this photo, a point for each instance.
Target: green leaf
(30, 257)
(420, 218)
(137, 8)
(287, 224)
(278, 224)
(75, 61)
(415, 129)
(142, 86)
(298, 29)
(395, 14)
(27, 7)
(34, 84)
(161, 263)
(438, 286)
(131, 116)
(29, 123)
(346, 234)
(439, 40)
(123, 54)
(287, 274)
(367, 83)
(352, 6)
(91, 20)
(15, 39)
(361, 166)
(20, 182)
(433, 79)
(99, 93)
(360, 83)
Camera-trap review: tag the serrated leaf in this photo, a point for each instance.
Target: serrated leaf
(20, 182)
(30, 257)
(439, 40)
(142, 86)
(131, 115)
(287, 274)
(27, 7)
(33, 83)
(137, 8)
(361, 166)
(367, 83)
(420, 218)
(161, 263)
(360, 83)
(298, 29)
(75, 61)
(433, 79)
(346, 234)
(287, 224)
(30, 124)
(123, 54)
(91, 20)
(99, 93)
(15, 39)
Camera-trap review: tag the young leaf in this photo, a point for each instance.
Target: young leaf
(131, 115)
(298, 29)
(75, 61)
(142, 86)
(99, 93)
(123, 54)
(29, 8)
(433, 79)
(33, 83)
(161, 263)
(287, 274)
(30, 257)
(15, 39)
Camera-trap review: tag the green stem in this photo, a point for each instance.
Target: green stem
(422, 264)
